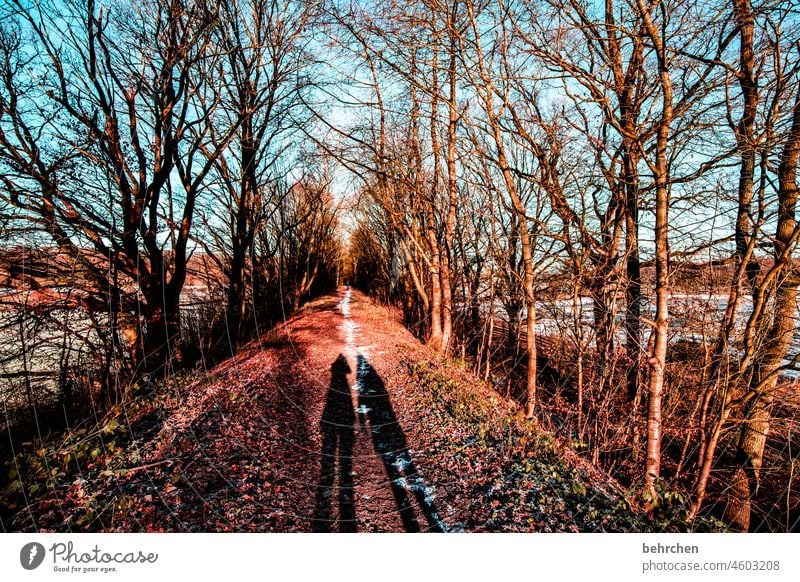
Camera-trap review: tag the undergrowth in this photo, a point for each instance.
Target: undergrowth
(525, 482)
(47, 478)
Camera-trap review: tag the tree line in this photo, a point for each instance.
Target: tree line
(522, 152)
(144, 144)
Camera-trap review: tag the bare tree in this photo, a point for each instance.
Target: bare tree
(118, 95)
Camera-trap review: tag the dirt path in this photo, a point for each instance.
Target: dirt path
(368, 477)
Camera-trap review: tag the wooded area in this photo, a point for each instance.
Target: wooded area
(591, 203)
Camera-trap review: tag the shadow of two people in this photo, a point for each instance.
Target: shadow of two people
(388, 441)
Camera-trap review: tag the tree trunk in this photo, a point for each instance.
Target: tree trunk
(435, 338)
(435, 315)
(603, 318)
(660, 171)
(756, 425)
(633, 292)
(475, 307)
(162, 338)
(745, 139)
(452, 191)
(242, 237)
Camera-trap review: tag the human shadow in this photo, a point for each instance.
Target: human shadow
(338, 435)
(389, 442)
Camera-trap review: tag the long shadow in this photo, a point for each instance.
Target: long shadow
(389, 442)
(338, 435)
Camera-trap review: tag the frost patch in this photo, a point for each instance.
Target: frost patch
(401, 463)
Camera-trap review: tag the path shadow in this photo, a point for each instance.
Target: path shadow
(338, 435)
(389, 442)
